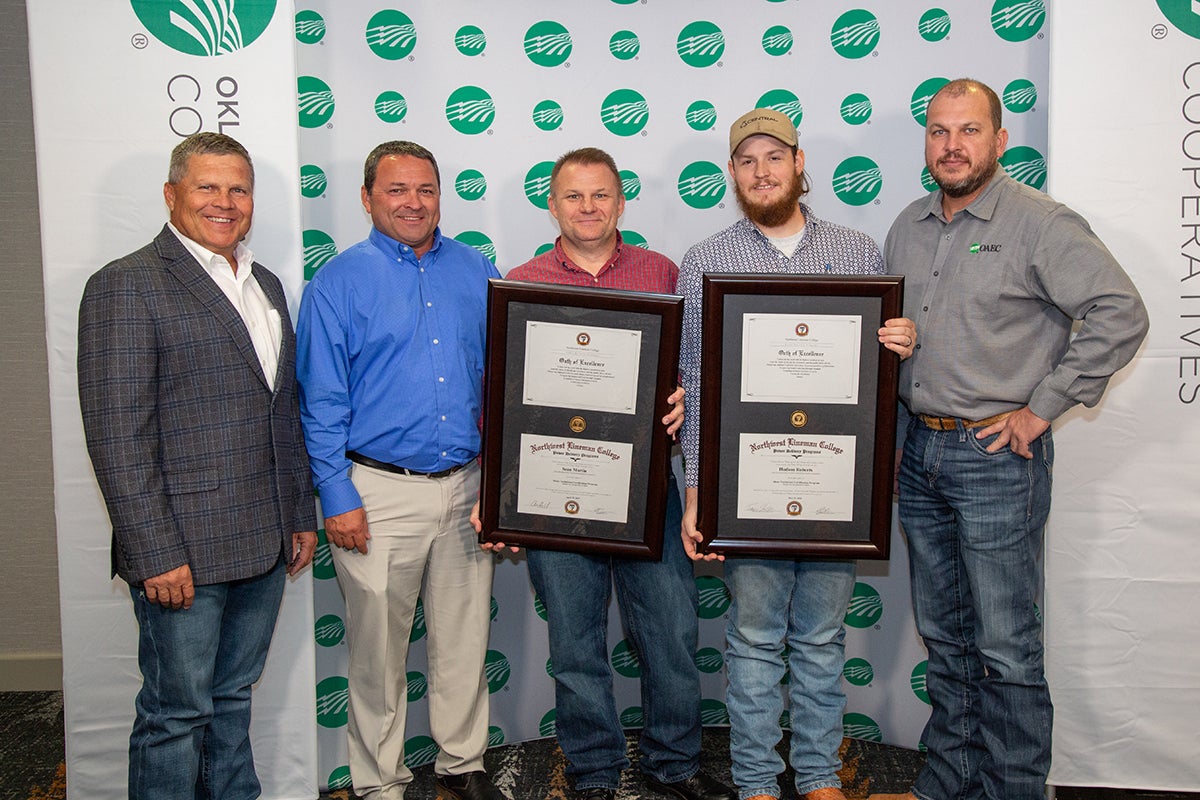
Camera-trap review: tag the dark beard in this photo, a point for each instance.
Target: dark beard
(774, 214)
(972, 183)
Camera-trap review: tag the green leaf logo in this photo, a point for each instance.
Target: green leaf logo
(1026, 165)
(858, 672)
(700, 44)
(470, 184)
(918, 683)
(539, 607)
(550, 667)
(318, 248)
(310, 27)
(322, 561)
(209, 28)
(1018, 20)
(632, 717)
(548, 43)
(784, 102)
(417, 686)
(314, 100)
(624, 45)
(470, 110)
(391, 35)
(701, 185)
(329, 630)
(701, 115)
(313, 182)
(918, 105)
(860, 726)
(631, 184)
(777, 40)
(855, 33)
(391, 106)
(713, 712)
(855, 109)
(483, 244)
(417, 632)
(1019, 96)
(866, 606)
(857, 181)
(927, 181)
(713, 594)
(934, 25)
(496, 670)
(537, 187)
(495, 736)
(340, 778)
(333, 701)
(709, 660)
(548, 115)
(635, 239)
(546, 726)
(625, 660)
(624, 112)
(419, 751)
(470, 40)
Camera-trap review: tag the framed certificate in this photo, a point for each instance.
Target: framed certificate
(575, 456)
(797, 415)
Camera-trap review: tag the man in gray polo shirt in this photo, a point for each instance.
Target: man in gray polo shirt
(996, 274)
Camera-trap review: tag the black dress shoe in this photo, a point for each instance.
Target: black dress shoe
(597, 793)
(468, 786)
(697, 787)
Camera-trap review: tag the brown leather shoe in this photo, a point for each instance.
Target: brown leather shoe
(468, 786)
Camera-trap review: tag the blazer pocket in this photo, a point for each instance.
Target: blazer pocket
(197, 480)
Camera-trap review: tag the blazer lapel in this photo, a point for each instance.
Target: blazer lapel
(180, 263)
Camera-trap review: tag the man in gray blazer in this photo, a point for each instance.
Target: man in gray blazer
(188, 391)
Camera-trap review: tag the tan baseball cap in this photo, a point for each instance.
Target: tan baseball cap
(762, 120)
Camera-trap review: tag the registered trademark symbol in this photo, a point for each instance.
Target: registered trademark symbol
(139, 41)
(328, 126)
(1159, 31)
(412, 58)
(720, 63)
(489, 132)
(874, 54)
(878, 201)
(720, 205)
(1041, 36)
(567, 64)
(645, 133)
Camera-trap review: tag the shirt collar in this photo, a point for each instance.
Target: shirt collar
(214, 263)
(811, 221)
(981, 207)
(560, 255)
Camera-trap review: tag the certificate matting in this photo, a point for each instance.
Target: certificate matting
(820, 474)
(571, 470)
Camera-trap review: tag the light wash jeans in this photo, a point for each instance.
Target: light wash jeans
(800, 603)
(191, 733)
(974, 524)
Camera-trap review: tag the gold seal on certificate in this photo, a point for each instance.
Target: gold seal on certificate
(796, 477)
(594, 369)
(593, 476)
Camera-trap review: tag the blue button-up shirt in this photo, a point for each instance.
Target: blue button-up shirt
(390, 354)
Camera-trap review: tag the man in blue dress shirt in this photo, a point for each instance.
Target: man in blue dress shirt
(390, 362)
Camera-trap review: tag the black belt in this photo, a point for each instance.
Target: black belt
(367, 461)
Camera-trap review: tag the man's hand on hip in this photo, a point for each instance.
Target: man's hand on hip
(1017, 431)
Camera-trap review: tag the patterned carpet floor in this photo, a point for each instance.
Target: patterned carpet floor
(31, 763)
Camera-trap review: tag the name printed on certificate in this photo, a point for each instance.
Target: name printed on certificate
(580, 478)
(800, 358)
(582, 367)
(796, 477)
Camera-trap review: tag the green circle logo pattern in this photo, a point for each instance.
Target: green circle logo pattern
(919, 104)
(483, 244)
(417, 686)
(713, 712)
(470, 110)
(712, 592)
(310, 27)
(855, 109)
(701, 115)
(860, 726)
(1019, 96)
(314, 100)
(927, 181)
(631, 184)
(340, 778)
(539, 607)
(634, 239)
(1025, 165)
(632, 717)
(548, 44)
(391, 106)
(784, 102)
(470, 40)
(866, 606)
(857, 181)
(313, 182)
(391, 35)
(777, 40)
(1181, 14)
(318, 248)
(625, 660)
(470, 184)
(934, 25)
(855, 34)
(785, 720)
(333, 701)
(495, 607)
(550, 667)
(546, 726)
(417, 632)
(700, 44)
(1018, 20)
(548, 115)
(545, 247)
(918, 683)
(701, 185)
(624, 45)
(495, 736)
(322, 559)
(709, 660)
(496, 670)
(537, 190)
(212, 28)
(858, 672)
(419, 751)
(329, 630)
(624, 112)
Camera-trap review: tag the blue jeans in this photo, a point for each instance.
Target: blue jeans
(974, 524)
(799, 603)
(657, 601)
(191, 735)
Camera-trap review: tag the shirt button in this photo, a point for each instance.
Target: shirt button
(443, 453)
(430, 305)
(441, 380)
(443, 417)
(925, 308)
(936, 273)
(949, 237)
(435, 341)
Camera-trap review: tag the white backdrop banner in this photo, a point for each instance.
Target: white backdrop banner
(115, 86)
(499, 90)
(1122, 550)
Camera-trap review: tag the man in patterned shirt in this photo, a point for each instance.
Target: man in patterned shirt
(657, 599)
(797, 601)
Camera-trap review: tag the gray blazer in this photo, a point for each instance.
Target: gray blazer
(199, 462)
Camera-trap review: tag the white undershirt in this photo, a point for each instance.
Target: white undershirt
(262, 321)
(788, 244)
